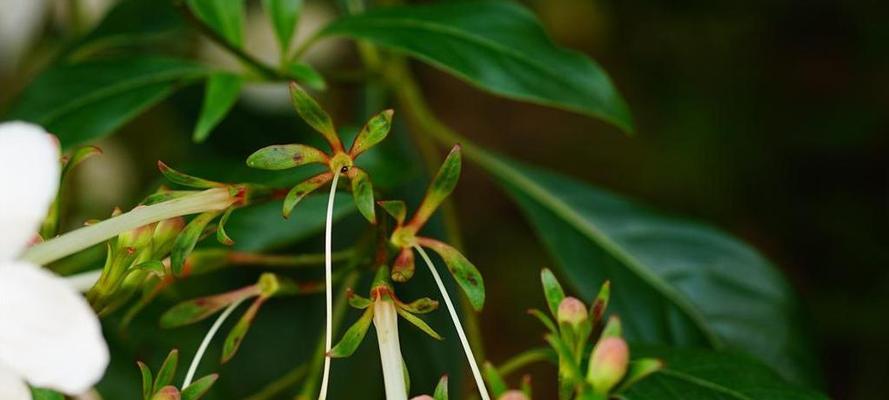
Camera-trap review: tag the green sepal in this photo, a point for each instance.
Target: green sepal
(155, 267)
(237, 334)
(167, 371)
(545, 320)
(199, 388)
(191, 311)
(612, 328)
(404, 266)
(314, 115)
(373, 132)
(441, 390)
(395, 208)
(601, 303)
(285, 156)
(187, 240)
(220, 95)
(358, 301)
(419, 323)
(363, 193)
(353, 336)
(464, 272)
(422, 305)
(494, 380)
(638, 370)
(147, 380)
(569, 367)
(221, 236)
(186, 180)
(552, 290)
(302, 189)
(442, 186)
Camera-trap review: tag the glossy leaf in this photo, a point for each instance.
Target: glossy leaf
(186, 180)
(699, 374)
(199, 388)
(675, 281)
(373, 132)
(226, 17)
(419, 323)
(498, 46)
(466, 275)
(442, 185)
(147, 380)
(128, 23)
(552, 290)
(167, 371)
(353, 336)
(363, 193)
(187, 240)
(301, 190)
(306, 75)
(220, 95)
(284, 156)
(395, 208)
(85, 101)
(314, 115)
(284, 15)
(237, 334)
(191, 311)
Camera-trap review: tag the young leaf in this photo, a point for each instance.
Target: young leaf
(302, 189)
(404, 266)
(441, 390)
(221, 236)
(284, 15)
(353, 336)
(466, 275)
(284, 156)
(497, 46)
(167, 371)
(220, 95)
(442, 185)
(199, 388)
(546, 321)
(395, 208)
(191, 311)
(186, 240)
(305, 74)
(495, 381)
(315, 116)
(363, 193)
(237, 334)
(419, 323)
(373, 132)
(226, 17)
(552, 290)
(147, 380)
(422, 305)
(180, 178)
(357, 301)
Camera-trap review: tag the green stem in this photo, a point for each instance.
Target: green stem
(209, 200)
(525, 358)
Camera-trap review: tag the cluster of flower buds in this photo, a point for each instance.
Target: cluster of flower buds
(608, 367)
(159, 387)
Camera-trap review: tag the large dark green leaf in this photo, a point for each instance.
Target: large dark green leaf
(698, 374)
(226, 17)
(130, 22)
(81, 102)
(673, 281)
(497, 46)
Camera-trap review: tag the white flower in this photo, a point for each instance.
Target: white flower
(49, 335)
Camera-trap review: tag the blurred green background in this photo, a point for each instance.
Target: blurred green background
(765, 118)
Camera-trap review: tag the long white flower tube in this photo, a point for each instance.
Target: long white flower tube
(386, 324)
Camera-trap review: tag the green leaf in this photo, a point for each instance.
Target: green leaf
(441, 390)
(358, 301)
(284, 156)
(552, 290)
(466, 275)
(353, 336)
(191, 311)
(302, 189)
(221, 236)
(700, 374)
(442, 185)
(314, 115)
(363, 193)
(395, 208)
(494, 380)
(226, 17)
(46, 394)
(128, 23)
(189, 237)
(497, 46)
(422, 305)
(546, 321)
(220, 96)
(373, 132)
(85, 101)
(640, 369)
(186, 180)
(147, 380)
(306, 75)
(419, 323)
(284, 15)
(674, 281)
(237, 334)
(167, 371)
(199, 388)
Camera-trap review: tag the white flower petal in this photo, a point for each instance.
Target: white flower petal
(50, 335)
(12, 387)
(29, 180)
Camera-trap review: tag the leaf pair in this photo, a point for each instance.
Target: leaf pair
(382, 292)
(286, 156)
(405, 234)
(160, 388)
(195, 310)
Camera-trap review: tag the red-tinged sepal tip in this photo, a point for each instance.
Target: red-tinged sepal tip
(167, 393)
(513, 395)
(601, 302)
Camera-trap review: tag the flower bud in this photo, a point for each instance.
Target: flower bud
(167, 393)
(423, 397)
(513, 395)
(165, 234)
(608, 363)
(572, 311)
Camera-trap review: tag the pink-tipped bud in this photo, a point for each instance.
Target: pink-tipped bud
(608, 363)
(423, 397)
(167, 393)
(572, 311)
(513, 395)
(165, 234)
